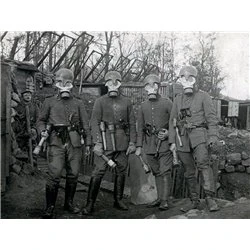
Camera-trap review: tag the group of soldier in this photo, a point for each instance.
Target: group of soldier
(187, 126)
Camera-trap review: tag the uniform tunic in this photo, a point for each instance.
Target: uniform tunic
(57, 111)
(155, 113)
(117, 111)
(203, 124)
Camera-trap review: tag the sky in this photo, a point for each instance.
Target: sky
(233, 54)
(232, 50)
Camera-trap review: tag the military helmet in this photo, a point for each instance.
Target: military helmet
(151, 78)
(65, 73)
(113, 74)
(188, 69)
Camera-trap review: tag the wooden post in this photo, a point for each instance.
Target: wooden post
(29, 132)
(248, 118)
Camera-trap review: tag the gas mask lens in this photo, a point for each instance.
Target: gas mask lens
(151, 88)
(187, 82)
(113, 87)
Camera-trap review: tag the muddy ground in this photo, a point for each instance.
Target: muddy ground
(25, 199)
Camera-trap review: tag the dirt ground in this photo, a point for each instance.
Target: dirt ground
(25, 199)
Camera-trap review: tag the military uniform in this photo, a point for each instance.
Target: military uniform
(154, 115)
(66, 117)
(117, 111)
(196, 123)
(20, 124)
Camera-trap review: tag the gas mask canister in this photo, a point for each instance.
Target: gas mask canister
(113, 83)
(64, 79)
(151, 85)
(188, 78)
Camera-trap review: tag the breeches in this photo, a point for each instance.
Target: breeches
(162, 164)
(119, 157)
(198, 157)
(64, 156)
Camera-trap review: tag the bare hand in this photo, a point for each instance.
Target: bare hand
(138, 151)
(163, 134)
(172, 147)
(131, 148)
(87, 150)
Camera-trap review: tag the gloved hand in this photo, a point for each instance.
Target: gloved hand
(172, 147)
(45, 133)
(98, 149)
(163, 134)
(131, 148)
(138, 151)
(212, 140)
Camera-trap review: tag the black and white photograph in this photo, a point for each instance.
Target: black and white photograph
(125, 125)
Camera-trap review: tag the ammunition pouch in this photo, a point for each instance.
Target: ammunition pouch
(66, 133)
(75, 138)
(123, 125)
(61, 132)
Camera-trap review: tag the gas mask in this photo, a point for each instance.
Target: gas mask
(187, 84)
(64, 79)
(113, 83)
(64, 88)
(151, 85)
(152, 90)
(188, 78)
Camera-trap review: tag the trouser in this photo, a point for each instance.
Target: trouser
(161, 165)
(161, 169)
(63, 156)
(120, 170)
(198, 157)
(119, 157)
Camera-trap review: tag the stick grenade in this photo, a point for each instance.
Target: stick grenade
(110, 162)
(144, 165)
(111, 128)
(103, 131)
(177, 132)
(159, 145)
(157, 148)
(43, 139)
(27, 110)
(175, 159)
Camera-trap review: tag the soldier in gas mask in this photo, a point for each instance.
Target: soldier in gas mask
(153, 120)
(63, 120)
(114, 134)
(193, 117)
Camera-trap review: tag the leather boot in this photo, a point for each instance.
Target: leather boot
(94, 187)
(51, 195)
(118, 192)
(194, 197)
(211, 203)
(157, 202)
(165, 185)
(70, 190)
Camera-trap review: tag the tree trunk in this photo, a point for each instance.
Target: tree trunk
(14, 48)
(27, 45)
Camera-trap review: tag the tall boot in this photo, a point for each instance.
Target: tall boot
(209, 188)
(157, 202)
(118, 192)
(211, 203)
(165, 185)
(94, 187)
(51, 195)
(70, 190)
(194, 197)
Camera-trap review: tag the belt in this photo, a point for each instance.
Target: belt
(192, 126)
